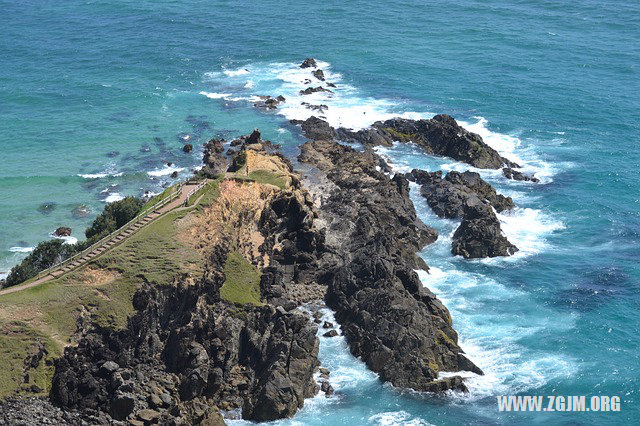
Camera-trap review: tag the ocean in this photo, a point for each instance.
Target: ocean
(96, 98)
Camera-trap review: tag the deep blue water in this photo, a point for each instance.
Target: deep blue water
(113, 89)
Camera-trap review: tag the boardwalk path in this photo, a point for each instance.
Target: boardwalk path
(118, 236)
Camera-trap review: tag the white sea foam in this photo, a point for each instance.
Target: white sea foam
(113, 197)
(21, 249)
(67, 239)
(165, 171)
(249, 84)
(528, 229)
(213, 95)
(390, 418)
(490, 323)
(4, 275)
(234, 73)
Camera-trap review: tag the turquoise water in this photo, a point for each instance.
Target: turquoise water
(95, 96)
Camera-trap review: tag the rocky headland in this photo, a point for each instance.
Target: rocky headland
(235, 334)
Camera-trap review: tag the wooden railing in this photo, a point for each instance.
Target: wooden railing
(141, 216)
(194, 191)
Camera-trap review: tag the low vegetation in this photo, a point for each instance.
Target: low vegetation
(268, 177)
(48, 253)
(45, 255)
(242, 281)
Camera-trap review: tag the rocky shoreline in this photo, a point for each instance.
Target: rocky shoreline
(346, 235)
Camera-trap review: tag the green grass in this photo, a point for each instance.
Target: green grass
(268, 177)
(18, 341)
(242, 281)
(209, 193)
(153, 254)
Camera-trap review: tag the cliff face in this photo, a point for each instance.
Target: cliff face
(398, 327)
(185, 354)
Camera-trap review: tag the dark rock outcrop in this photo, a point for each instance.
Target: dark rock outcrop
(309, 63)
(447, 196)
(315, 128)
(318, 108)
(187, 148)
(267, 102)
(479, 234)
(398, 327)
(310, 90)
(319, 74)
(185, 347)
(510, 173)
(442, 135)
(214, 162)
(62, 231)
(467, 196)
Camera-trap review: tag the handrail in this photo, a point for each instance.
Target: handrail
(140, 216)
(194, 190)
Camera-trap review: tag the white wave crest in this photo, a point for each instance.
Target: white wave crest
(21, 249)
(165, 171)
(113, 198)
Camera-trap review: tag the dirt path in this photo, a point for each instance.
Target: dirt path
(130, 230)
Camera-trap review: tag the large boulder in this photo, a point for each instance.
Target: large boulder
(315, 128)
(309, 63)
(479, 234)
(62, 231)
(447, 196)
(510, 173)
(214, 162)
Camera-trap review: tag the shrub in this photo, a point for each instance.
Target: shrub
(45, 255)
(114, 216)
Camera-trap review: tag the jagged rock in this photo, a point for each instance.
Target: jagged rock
(331, 333)
(319, 74)
(370, 136)
(195, 348)
(214, 162)
(310, 90)
(309, 63)
(319, 108)
(148, 416)
(267, 102)
(174, 175)
(326, 387)
(442, 135)
(315, 128)
(62, 231)
(479, 234)
(254, 137)
(397, 326)
(447, 196)
(122, 405)
(327, 324)
(187, 148)
(509, 173)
